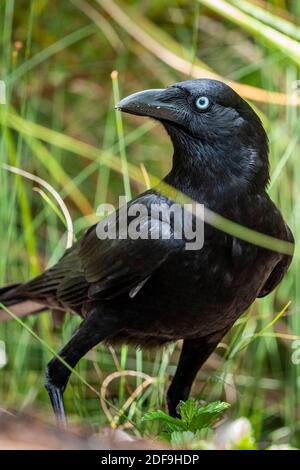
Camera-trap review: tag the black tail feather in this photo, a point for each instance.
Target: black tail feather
(18, 304)
(9, 294)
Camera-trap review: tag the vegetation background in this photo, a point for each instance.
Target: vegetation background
(59, 124)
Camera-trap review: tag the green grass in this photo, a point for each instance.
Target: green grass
(59, 123)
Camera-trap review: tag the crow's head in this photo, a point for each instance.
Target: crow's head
(212, 128)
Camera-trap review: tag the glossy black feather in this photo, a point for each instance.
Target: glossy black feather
(152, 291)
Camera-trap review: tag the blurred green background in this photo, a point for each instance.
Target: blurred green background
(59, 124)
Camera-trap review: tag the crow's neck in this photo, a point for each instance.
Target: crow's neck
(206, 171)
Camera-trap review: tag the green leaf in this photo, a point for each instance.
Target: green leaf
(173, 423)
(193, 417)
(203, 416)
(187, 410)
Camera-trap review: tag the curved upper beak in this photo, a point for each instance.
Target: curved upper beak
(153, 103)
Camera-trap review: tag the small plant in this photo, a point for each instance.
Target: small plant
(192, 424)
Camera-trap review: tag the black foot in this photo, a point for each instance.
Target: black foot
(91, 331)
(56, 397)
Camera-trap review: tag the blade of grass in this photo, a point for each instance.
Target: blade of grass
(143, 31)
(54, 353)
(46, 346)
(194, 37)
(127, 189)
(262, 331)
(261, 31)
(120, 132)
(101, 22)
(66, 218)
(48, 52)
(266, 16)
(59, 175)
(290, 151)
(25, 210)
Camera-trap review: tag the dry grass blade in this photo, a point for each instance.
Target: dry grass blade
(53, 192)
(138, 27)
(100, 21)
(115, 375)
(267, 34)
(265, 13)
(145, 176)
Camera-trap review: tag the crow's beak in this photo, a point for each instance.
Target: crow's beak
(155, 103)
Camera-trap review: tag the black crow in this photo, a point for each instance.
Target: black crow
(152, 291)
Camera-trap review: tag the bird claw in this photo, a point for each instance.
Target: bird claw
(56, 397)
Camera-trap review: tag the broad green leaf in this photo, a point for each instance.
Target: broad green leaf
(164, 417)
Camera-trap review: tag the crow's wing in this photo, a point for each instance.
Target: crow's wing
(112, 266)
(104, 268)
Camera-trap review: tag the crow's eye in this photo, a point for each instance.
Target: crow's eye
(202, 103)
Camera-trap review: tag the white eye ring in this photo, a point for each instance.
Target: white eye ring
(202, 103)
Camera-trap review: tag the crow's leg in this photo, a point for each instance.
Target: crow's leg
(193, 355)
(92, 330)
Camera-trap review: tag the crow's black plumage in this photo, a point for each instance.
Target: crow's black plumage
(154, 291)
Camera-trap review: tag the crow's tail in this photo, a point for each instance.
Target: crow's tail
(12, 298)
